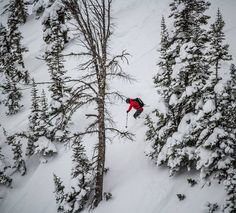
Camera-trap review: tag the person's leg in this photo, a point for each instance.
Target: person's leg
(137, 113)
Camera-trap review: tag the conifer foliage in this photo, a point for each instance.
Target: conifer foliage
(12, 49)
(10, 74)
(18, 9)
(82, 183)
(184, 53)
(4, 178)
(16, 17)
(19, 162)
(33, 121)
(196, 128)
(59, 192)
(55, 37)
(40, 136)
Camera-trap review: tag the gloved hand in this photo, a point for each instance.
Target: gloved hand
(127, 111)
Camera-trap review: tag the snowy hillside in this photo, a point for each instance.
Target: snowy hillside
(137, 185)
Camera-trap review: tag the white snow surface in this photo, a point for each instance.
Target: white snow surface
(137, 185)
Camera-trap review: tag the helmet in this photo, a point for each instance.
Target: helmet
(128, 100)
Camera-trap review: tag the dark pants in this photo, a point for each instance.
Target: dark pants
(137, 113)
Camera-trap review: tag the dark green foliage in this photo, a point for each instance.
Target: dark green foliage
(55, 37)
(192, 182)
(55, 30)
(13, 96)
(4, 46)
(19, 162)
(11, 55)
(107, 196)
(18, 10)
(76, 199)
(45, 127)
(233, 81)
(216, 138)
(33, 121)
(4, 179)
(189, 42)
(59, 192)
(163, 78)
(81, 164)
(181, 197)
(196, 127)
(14, 35)
(230, 188)
(164, 123)
(184, 70)
(40, 134)
(43, 116)
(218, 50)
(81, 189)
(11, 75)
(212, 207)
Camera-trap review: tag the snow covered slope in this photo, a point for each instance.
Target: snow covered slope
(137, 185)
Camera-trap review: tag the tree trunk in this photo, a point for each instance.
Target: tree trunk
(217, 79)
(101, 148)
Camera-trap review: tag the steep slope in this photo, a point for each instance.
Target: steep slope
(137, 185)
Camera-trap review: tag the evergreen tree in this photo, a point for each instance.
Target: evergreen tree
(189, 71)
(19, 162)
(18, 10)
(11, 75)
(216, 141)
(33, 121)
(230, 187)
(13, 96)
(188, 48)
(78, 197)
(59, 192)
(215, 125)
(15, 38)
(219, 51)
(163, 77)
(4, 46)
(54, 37)
(54, 27)
(39, 138)
(81, 165)
(59, 92)
(12, 55)
(44, 117)
(232, 91)
(4, 179)
(15, 48)
(159, 130)
(233, 81)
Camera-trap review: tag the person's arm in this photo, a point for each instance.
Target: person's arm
(130, 107)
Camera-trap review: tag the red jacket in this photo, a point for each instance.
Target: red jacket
(135, 105)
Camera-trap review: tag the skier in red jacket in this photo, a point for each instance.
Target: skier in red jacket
(134, 104)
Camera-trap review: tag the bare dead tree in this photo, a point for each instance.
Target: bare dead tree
(93, 23)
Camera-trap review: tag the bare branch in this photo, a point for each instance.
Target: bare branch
(125, 134)
(91, 115)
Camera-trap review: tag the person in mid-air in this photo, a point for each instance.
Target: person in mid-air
(136, 104)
